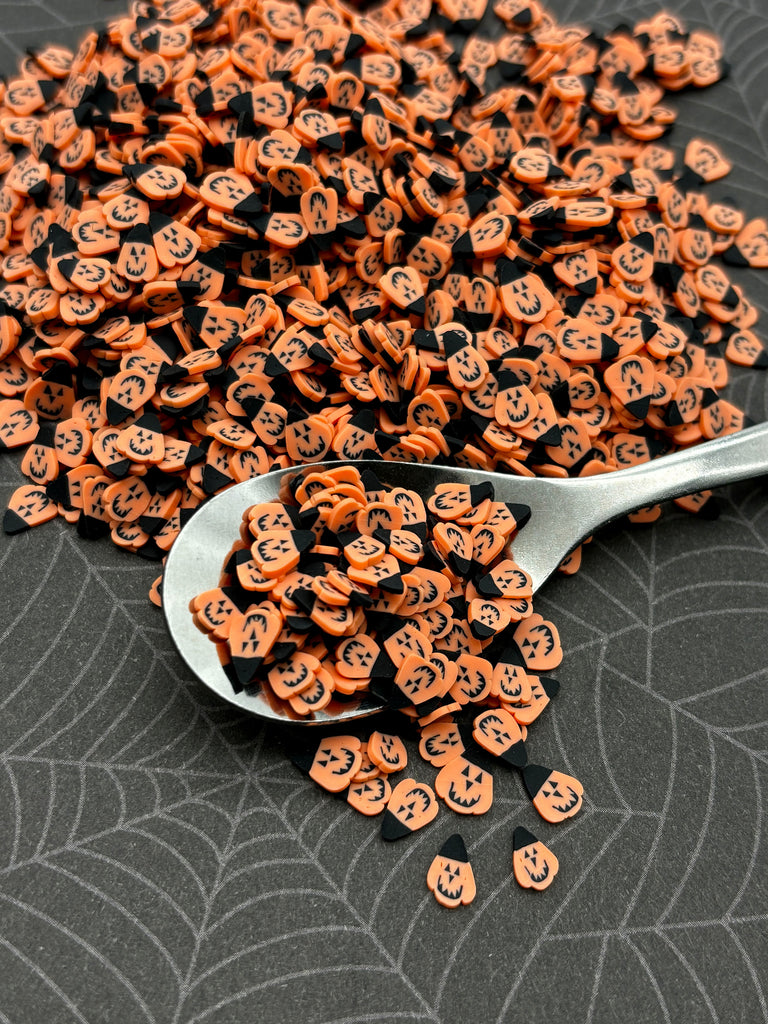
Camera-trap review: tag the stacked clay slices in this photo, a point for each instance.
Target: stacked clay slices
(347, 586)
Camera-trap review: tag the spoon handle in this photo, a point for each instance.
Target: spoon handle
(725, 460)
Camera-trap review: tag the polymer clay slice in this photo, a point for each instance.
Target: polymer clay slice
(278, 551)
(534, 865)
(336, 761)
(370, 796)
(18, 425)
(450, 875)
(440, 742)
(555, 796)
(411, 806)
(540, 692)
(498, 732)
(29, 506)
(251, 636)
(387, 752)
(464, 786)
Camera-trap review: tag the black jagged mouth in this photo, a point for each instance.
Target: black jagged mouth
(541, 875)
(454, 797)
(349, 759)
(451, 894)
(563, 808)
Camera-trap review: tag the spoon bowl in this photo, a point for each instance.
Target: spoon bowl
(563, 513)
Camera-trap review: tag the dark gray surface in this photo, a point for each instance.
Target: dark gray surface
(161, 861)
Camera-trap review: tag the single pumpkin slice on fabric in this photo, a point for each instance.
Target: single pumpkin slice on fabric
(450, 875)
(555, 796)
(534, 865)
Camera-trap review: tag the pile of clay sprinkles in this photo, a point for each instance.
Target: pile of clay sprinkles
(347, 587)
(239, 235)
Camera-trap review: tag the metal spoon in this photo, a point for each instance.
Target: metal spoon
(564, 512)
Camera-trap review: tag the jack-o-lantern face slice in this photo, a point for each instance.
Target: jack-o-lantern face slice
(750, 247)
(52, 395)
(507, 517)
(404, 289)
(40, 463)
(29, 506)
(294, 675)
(633, 259)
(128, 391)
(506, 580)
(465, 787)
(320, 209)
(142, 441)
(411, 807)
(524, 297)
(174, 242)
(406, 641)
(356, 656)
(535, 866)
(229, 192)
(486, 543)
(706, 160)
(387, 751)
(744, 348)
(515, 406)
(631, 381)
(405, 546)
(18, 426)
(251, 636)
(541, 693)
(539, 643)
(580, 340)
(440, 742)
(466, 367)
(364, 551)
(137, 259)
(511, 683)
(498, 732)
(474, 679)
(531, 164)
(276, 552)
(155, 181)
(450, 501)
(488, 236)
(555, 795)
(127, 499)
(419, 680)
(450, 875)
(213, 611)
(489, 616)
(308, 440)
(370, 796)
(336, 762)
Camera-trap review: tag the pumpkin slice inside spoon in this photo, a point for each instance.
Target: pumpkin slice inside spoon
(563, 513)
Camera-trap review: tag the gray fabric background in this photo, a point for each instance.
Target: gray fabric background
(161, 862)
